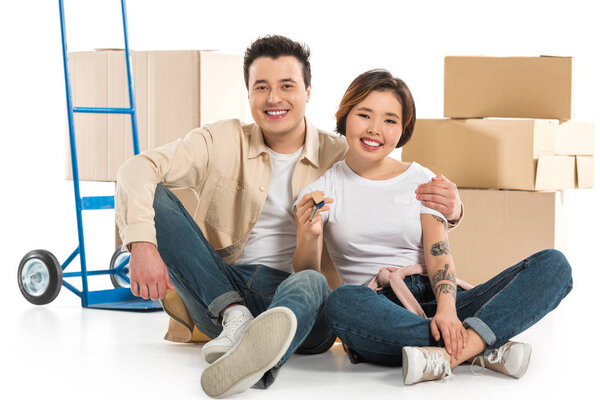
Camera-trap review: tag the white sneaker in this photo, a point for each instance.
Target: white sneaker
(260, 348)
(235, 322)
(512, 359)
(424, 364)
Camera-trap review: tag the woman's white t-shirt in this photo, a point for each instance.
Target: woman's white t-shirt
(372, 224)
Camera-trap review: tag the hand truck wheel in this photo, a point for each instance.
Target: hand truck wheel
(117, 258)
(39, 277)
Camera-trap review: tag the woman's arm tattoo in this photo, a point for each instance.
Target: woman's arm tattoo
(441, 221)
(445, 288)
(440, 248)
(444, 275)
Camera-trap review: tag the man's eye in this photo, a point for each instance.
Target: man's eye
(287, 86)
(260, 88)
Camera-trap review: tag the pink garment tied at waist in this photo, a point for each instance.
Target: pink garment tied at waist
(394, 277)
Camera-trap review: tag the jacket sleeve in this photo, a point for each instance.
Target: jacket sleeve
(182, 163)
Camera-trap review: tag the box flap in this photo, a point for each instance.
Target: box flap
(575, 138)
(585, 171)
(555, 172)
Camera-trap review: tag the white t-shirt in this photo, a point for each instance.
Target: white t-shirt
(372, 224)
(272, 241)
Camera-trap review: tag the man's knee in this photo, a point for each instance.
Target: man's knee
(163, 198)
(310, 280)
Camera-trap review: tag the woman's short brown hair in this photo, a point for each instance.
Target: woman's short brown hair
(378, 80)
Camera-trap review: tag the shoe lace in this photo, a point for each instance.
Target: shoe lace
(232, 326)
(437, 365)
(493, 358)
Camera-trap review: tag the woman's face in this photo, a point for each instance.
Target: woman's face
(374, 126)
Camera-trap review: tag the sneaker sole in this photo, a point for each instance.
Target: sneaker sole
(408, 358)
(262, 345)
(214, 353)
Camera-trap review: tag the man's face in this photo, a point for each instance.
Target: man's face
(277, 95)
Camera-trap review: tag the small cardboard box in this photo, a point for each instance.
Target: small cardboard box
(575, 138)
(492, 153)
(502, 227)
(511, 87)
(175, 91)
(585, 172)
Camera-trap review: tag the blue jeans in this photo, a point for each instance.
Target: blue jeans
(376, 326)
(207, 284)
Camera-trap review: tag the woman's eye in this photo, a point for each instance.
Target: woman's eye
(363, 116)
(390, 121)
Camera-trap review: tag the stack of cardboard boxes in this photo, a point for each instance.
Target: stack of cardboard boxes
(511, 147)
(175, 91)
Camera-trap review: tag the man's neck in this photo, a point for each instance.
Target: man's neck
(287, 143)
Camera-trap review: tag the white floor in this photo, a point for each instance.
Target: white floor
(63, 351)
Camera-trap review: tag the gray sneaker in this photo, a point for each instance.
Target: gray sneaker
(424, 364)
(512, 359)
(233, 327)
(263, 343)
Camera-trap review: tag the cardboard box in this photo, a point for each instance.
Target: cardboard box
(502, 227)
(585, 172)
(176, 91)
(575, 138)
(512, 87)
(492, 153)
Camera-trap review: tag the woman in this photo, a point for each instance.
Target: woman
(377, 232)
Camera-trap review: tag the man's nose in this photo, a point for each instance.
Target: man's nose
(274, 96)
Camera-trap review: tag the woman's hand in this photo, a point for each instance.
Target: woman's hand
(452, 331)
(312, 228)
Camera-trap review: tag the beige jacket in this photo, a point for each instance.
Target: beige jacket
(222, 173)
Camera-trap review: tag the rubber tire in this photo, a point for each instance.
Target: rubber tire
(54, 273)
(113, 261)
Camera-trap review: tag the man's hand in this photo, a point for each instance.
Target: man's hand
(148, 272)
(442, 195)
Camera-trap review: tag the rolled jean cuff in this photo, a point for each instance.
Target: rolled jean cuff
(222, 301)
(482, 330)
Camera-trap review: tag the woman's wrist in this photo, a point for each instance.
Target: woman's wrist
(446, 306)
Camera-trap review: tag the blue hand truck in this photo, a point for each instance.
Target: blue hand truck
(40, 275)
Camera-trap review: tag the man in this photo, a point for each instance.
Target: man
(236, 263)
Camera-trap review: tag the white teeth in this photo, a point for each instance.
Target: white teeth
(370, 143)
(276, 112)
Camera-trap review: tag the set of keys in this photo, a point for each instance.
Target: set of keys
(318, 203)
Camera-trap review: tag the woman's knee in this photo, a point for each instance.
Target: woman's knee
(343, 298)
(555, 267)
(555, 262)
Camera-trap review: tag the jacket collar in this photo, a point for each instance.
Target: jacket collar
(311, 143)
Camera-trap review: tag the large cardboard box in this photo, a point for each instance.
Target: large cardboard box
(494, 153)
(502, 227)
(512, 87)
(176, 91)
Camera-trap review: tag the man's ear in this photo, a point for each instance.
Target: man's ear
(308, 93)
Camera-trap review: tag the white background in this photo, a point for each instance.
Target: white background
(346, 38)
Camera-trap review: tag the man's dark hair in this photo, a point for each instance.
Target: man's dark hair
(275, 46)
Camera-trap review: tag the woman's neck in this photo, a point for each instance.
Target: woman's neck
(383, 169)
